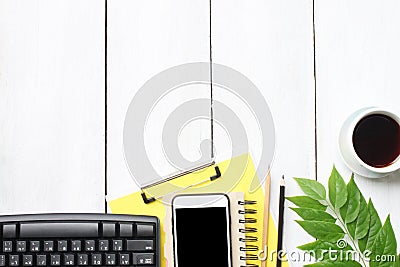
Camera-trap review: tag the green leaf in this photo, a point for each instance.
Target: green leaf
(324, 231)
(351, 227)
(307, 202)
(337, 189)
(314, 215)
(350, 210)
(319, 249)
(359, 228)
(375, 225)
(335, 264)
(312, 188)
(384, 245)
(362, 243)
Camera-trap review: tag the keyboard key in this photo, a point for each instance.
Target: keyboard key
(145, 230)
(96, 259)
(117, 245)
(27, 260)
(69, 259)
(76, 245)
(83, 259)
(41, 260)
(124, 259)
(90, 245)
(65, 229)
(21, 246)
(55, 260)
(103, 245)
(48, 246)
(9, 231)
(139, 245)
(7, 246)
(14, 260)
(34, 246)
(126, 229)
(62, 245)
(2, 260)
(109, 229)
(143, 258)
(110, 259)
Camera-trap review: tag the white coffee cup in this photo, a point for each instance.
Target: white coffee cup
(347, 149)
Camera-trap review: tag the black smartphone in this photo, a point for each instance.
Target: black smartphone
(201, 230)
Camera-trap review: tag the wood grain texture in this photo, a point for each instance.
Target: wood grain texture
(51, 106)
(145, 38)
(52, 91)
(272, 44)
(357, 59)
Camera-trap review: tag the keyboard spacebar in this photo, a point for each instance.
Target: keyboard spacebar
(64, 229)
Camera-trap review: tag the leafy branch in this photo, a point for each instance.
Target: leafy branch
(343, 222)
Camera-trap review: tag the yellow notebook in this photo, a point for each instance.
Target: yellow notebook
(233, 179)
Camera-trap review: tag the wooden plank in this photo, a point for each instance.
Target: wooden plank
(51, 106)
(144, 39)
(271, 42)
(357, 60)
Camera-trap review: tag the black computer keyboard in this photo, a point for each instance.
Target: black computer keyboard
(79, 240)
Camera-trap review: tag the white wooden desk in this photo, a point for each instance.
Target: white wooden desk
(62, 108)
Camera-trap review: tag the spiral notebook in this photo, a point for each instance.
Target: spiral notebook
(239, 231)
(247, 211)
(246, 236)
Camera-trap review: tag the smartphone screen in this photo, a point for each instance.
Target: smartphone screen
(201, 237)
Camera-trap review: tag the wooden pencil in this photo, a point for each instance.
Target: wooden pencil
(266, 216)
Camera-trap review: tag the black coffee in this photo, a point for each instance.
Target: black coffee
(376, 140)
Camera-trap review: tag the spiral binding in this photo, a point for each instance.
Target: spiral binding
(247, 202)
(248, 211)
(249, 238)
(249, 248)
(248, 220)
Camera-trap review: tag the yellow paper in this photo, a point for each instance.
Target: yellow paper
(233, 179)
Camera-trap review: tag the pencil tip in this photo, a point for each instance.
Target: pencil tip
(283, 180)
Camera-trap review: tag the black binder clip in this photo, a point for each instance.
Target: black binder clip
(148, 200)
